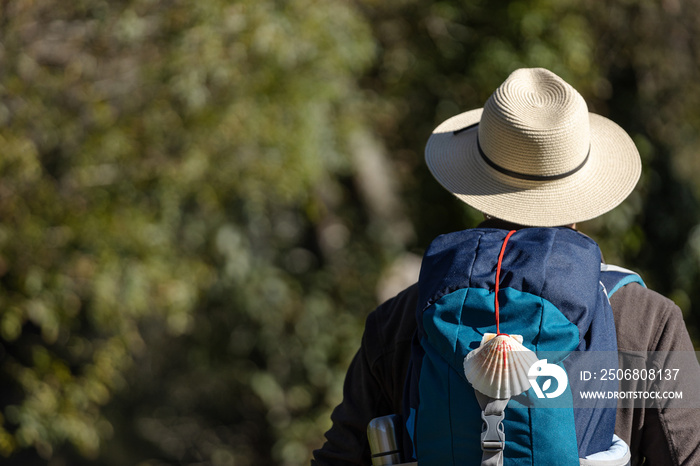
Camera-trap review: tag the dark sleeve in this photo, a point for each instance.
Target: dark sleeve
(374, 381)
(660, 436)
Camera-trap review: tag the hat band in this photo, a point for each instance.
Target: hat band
(522, 176)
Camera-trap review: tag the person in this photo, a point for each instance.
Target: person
(532, 157)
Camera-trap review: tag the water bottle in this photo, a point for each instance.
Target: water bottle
(383, 440)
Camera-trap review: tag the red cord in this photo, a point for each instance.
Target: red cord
(498, 278)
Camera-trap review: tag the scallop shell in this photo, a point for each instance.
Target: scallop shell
(498, 367)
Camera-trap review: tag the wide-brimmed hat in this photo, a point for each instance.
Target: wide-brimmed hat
(534, 155)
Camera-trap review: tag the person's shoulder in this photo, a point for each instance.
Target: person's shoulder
(395, 307)
(393, 322)
(646, 320)
(638, 300)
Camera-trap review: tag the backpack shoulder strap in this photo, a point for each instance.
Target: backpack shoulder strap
(614, 277)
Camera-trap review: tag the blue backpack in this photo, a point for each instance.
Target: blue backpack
(544, 284)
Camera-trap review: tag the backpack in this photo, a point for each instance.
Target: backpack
(544, 286)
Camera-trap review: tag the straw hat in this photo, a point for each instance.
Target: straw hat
(534, 155)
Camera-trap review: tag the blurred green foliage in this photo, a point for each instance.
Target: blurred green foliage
(200, 202)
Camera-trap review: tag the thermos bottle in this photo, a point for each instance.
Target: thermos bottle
(383, 440)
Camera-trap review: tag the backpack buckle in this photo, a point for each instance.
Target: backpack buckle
(493, 438)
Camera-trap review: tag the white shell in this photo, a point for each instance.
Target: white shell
(498, 367)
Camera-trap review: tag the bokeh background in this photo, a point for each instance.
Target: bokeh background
(201, 201)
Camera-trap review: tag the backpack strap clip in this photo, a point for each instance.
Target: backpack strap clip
(493, 437)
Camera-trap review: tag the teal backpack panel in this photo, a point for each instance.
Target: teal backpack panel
(449, 417)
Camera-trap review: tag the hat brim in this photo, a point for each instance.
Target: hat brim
(608, 177)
